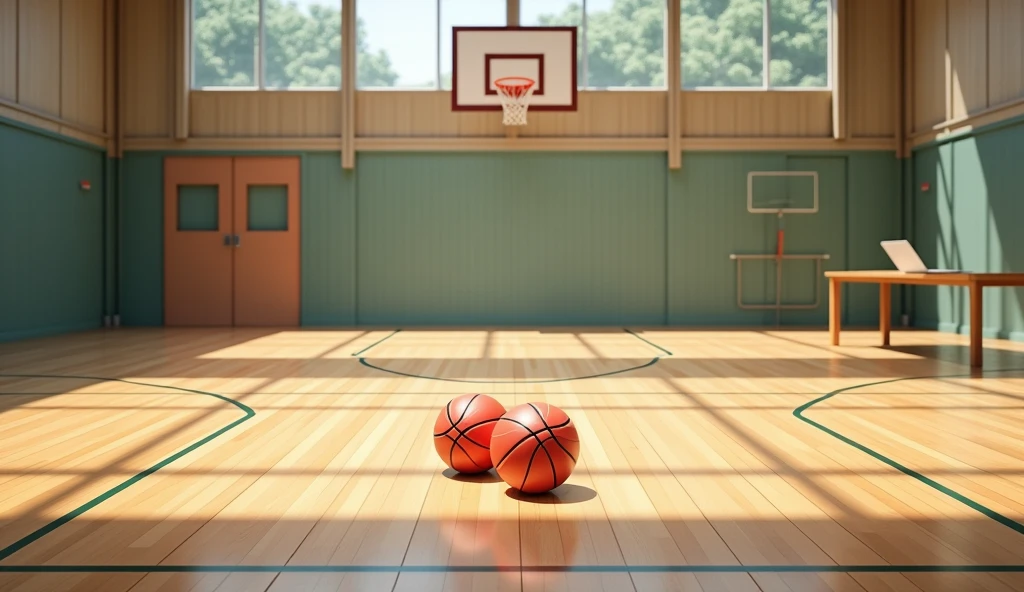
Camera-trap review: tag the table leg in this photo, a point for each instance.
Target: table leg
(835, 309)
(976, 324)
(885, 311)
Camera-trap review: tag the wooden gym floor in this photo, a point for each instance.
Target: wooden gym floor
(711, 460)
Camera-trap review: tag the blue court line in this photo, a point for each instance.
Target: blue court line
(54, 525)
(378, 342)
(884, 568)
(799, 413)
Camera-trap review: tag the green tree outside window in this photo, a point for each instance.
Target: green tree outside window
(722, 44)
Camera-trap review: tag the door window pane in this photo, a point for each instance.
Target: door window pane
(197, 207)
(268, 207)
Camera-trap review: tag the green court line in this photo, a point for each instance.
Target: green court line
(884, 568)
(647, 341)
(377, 342)
(798, 412)
(653, 361)
(544, 381)
(54, 525)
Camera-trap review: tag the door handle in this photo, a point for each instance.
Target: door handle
(238, 241)
(227, 240)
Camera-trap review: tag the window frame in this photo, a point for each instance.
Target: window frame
(765, 86)
(766, 57)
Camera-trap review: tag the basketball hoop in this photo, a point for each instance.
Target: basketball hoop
(515, 93)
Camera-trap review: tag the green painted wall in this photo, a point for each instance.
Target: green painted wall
(546, 238)
(51, 234)
(142, 239)
(328, 241)
(511, 238)
(970, 218)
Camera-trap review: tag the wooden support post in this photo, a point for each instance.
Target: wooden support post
(110, 75)
(908, 72)
(898, 75)
(183, 67)
(348, 84)
(673, 85)
(839, 19)
(121, 91)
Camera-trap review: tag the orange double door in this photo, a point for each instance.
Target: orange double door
(231, 241)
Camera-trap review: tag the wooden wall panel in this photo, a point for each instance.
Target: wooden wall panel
(147, 68)
(39, 23)
(601, 114)
(871, 45)
(605, 114)
(281, 114)
(420, 114)
(9, 50)
(757, 114)
(82, 63)
(968, 49)
(931, 90)
(1005, 51)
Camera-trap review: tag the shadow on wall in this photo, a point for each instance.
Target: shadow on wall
(970, 218)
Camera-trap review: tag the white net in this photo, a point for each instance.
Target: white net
(515, 96)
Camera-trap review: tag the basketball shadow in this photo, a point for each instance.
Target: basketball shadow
(488, 477)
(563, 494)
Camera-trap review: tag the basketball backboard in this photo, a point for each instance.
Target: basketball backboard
(481, 55)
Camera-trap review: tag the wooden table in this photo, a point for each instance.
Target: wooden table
(885, 279)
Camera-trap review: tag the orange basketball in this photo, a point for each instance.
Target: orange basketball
(462, 432)
(534, 447)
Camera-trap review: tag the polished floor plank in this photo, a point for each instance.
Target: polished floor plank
(694, 459)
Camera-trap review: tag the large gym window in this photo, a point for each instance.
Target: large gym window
(621, 42)
(274, 44)
(408, 43)
(726, 43)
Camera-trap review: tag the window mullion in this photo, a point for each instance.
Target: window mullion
(262, 47)
(437, 49)
(766, 53)
(583, 28)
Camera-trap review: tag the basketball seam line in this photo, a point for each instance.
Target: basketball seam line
(463, 432)
(455, 441)
(524, 438)
(554, 473)
(451, 452)
(526, 473)
(550, 431)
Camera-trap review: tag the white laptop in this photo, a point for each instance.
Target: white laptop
(906, 259)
